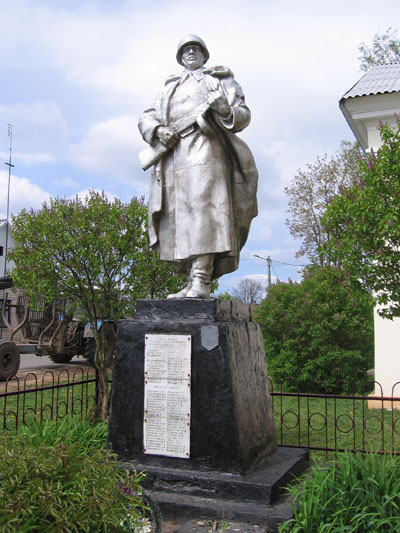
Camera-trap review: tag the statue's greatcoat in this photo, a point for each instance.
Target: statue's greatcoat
(203, 192)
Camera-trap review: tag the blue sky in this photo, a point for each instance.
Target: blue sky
(77, 74)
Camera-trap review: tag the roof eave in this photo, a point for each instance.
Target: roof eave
(353, 125)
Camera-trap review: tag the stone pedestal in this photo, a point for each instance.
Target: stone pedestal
(232, 436)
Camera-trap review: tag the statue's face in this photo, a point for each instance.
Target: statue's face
(192, 56)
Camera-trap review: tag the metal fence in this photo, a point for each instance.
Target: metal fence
(49, 396)
(338, 422)
(320, 422)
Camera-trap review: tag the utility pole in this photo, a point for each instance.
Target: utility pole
(269, 263)
(8, 195)
(9, 164)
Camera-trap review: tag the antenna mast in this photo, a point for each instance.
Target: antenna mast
(8, 194)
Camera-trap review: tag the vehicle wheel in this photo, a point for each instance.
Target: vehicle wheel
(9, 359)
(90, 347)
(60, 357)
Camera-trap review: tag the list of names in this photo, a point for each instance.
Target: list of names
(167, 366)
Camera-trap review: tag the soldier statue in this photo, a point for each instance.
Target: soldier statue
(204, 178)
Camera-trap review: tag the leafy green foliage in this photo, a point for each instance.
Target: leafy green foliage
(158, 277)
(318, 332)
(87, 436)
(310, 193)
(364, 225)
(227, 296)
(95, 254)
(57, 488)
(356, 493)
(92, 251)
(385, 49)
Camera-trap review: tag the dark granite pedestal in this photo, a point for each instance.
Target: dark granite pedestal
(233, 468)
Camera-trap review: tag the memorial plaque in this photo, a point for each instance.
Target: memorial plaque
(209, 337)
(167, 367)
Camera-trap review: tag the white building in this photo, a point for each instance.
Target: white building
(6, 266)
(5, 242)
(375, 98)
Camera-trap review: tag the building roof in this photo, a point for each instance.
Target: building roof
(379, 79)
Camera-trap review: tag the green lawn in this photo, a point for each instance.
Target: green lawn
(336, 423)
(74, 400)
(339, 423)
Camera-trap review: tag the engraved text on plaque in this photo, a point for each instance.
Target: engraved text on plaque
(167, 367)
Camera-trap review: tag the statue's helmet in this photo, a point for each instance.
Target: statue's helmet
(188, 39)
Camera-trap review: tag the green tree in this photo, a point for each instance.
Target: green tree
(94, 253)
(364, 224)
(311, 191)
(385, 49)
(227, 296)
(158, 278)
(317, 332)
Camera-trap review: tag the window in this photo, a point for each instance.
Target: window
(8, 313)
(1, 250)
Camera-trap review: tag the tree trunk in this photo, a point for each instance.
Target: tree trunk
(103, 395)
(101, 407)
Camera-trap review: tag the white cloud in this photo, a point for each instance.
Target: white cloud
(28, 159)
(114, 51)
(38, 126)
(111, 148)
(79, 72)
(23, 194)
(66, 182)
(261, 227)
(262, 278)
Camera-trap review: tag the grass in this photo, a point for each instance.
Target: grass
(357, 493)
(85, 434)
(71, 401)
(337, 423)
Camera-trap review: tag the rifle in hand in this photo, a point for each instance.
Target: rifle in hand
(149, 156)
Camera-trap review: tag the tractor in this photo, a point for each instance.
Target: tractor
(45, 330)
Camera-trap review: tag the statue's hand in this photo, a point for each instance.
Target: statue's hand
(216, 97)
(167, 136)
(219, 103)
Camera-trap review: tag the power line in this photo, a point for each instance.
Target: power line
(289, 264)
(272, 260)
(277, 277)
(275, 261)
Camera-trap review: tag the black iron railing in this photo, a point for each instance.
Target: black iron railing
(50, 396)
(320, 422)
(338, 422)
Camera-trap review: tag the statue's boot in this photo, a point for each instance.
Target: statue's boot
(202, 267)
(182, 293)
